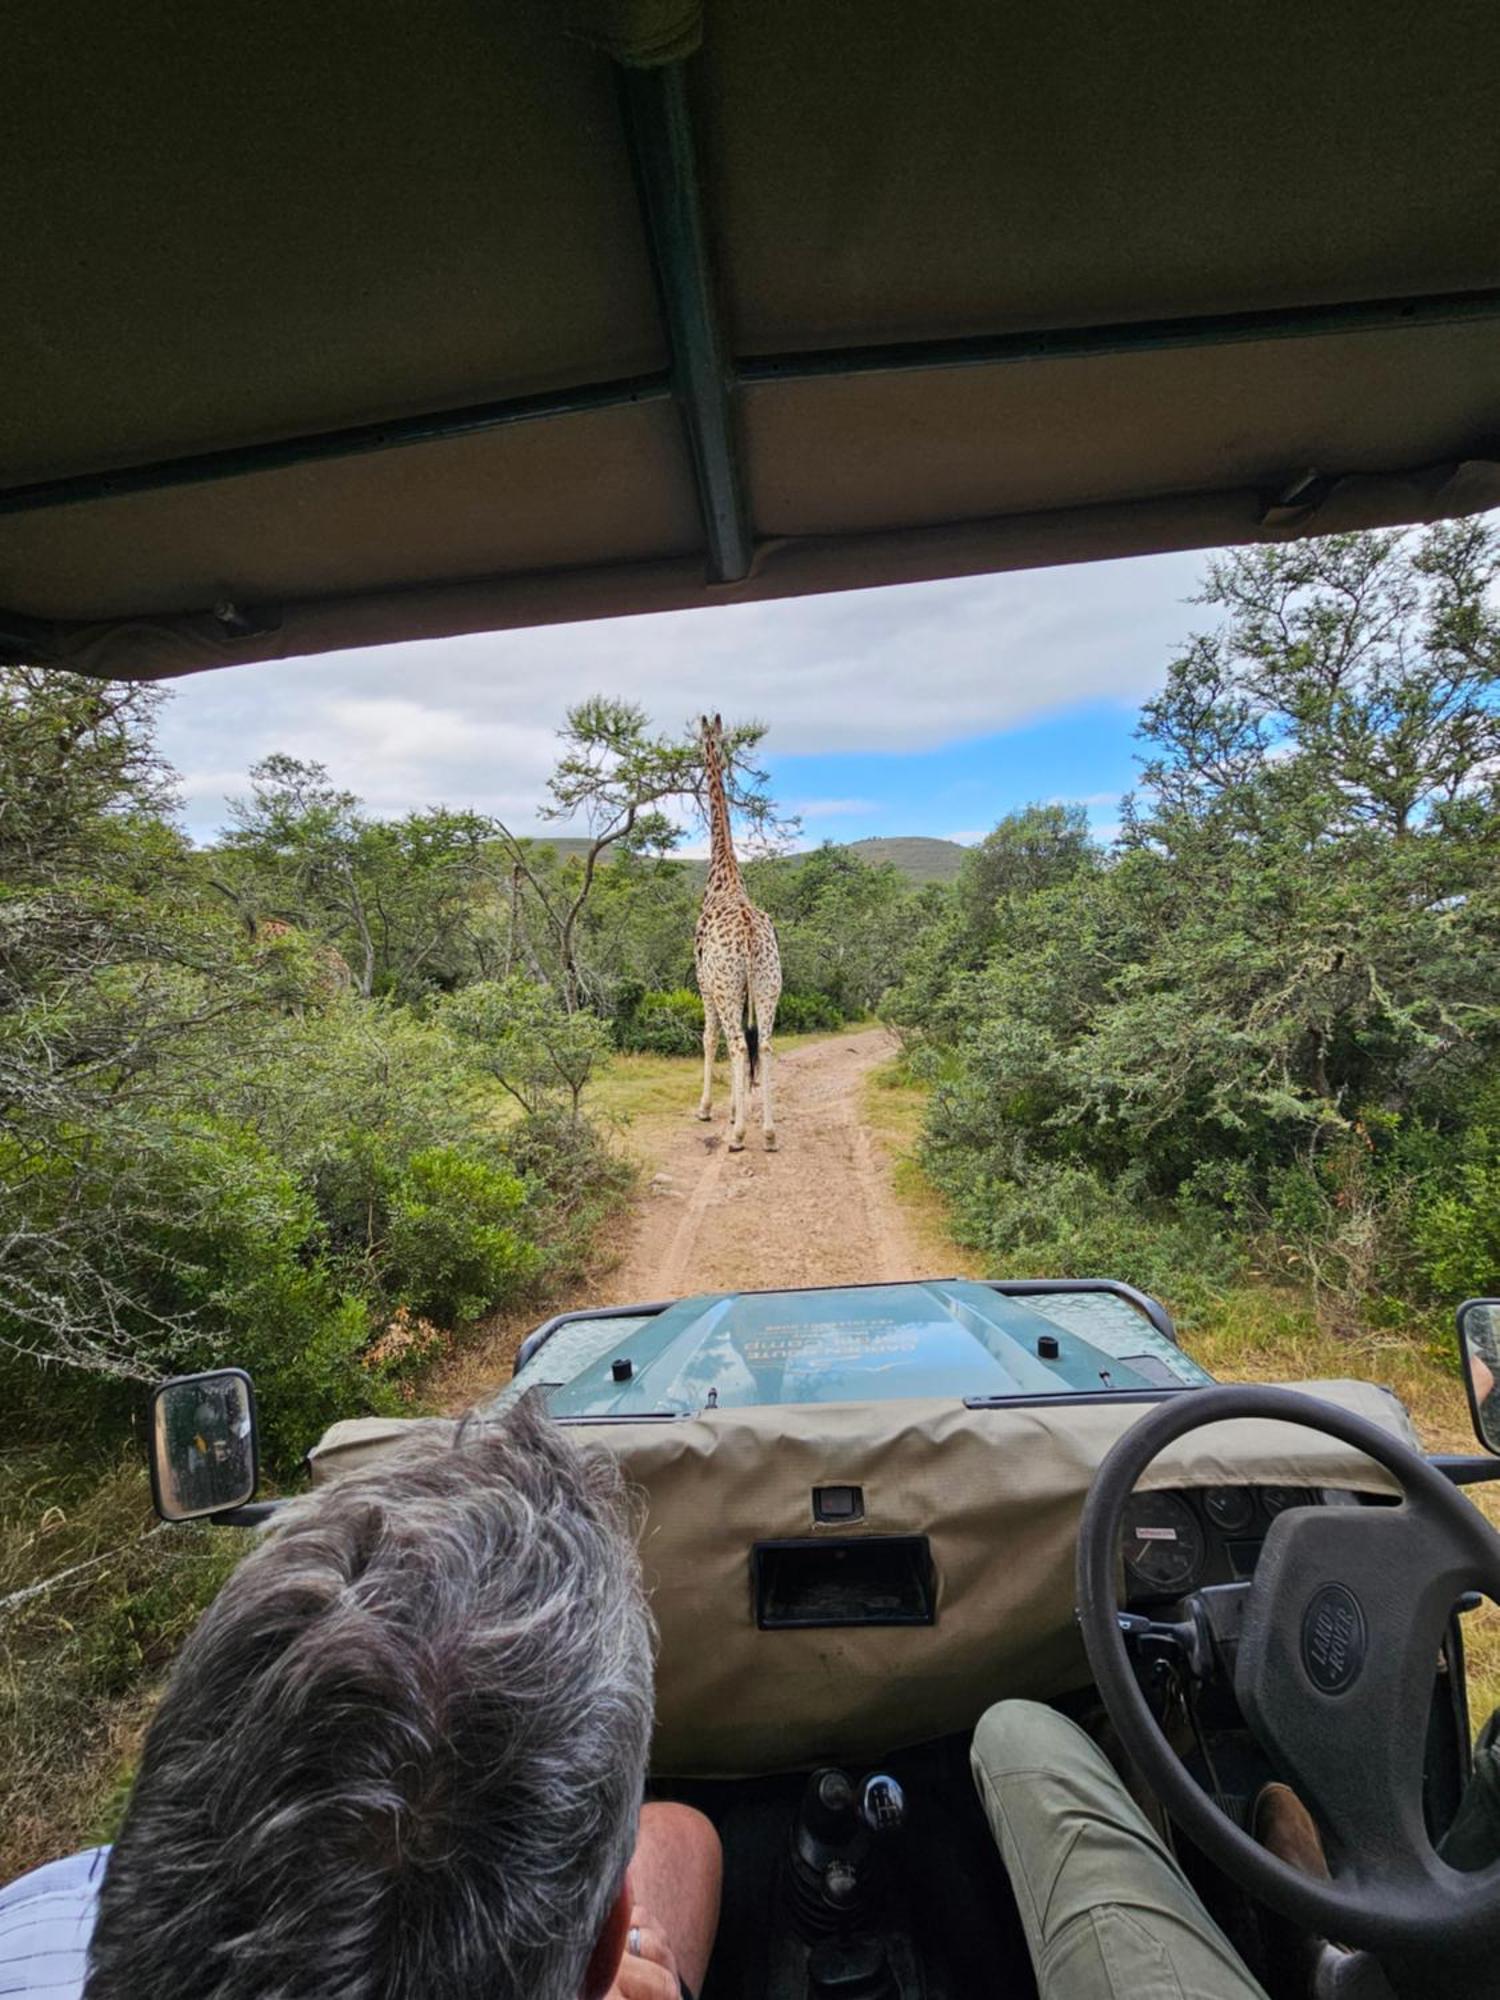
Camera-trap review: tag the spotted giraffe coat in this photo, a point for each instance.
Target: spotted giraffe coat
(738, 964)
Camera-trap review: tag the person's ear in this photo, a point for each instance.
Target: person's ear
(604, 1960)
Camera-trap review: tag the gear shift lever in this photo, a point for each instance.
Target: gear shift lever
(836, 1847)
(882, 1804)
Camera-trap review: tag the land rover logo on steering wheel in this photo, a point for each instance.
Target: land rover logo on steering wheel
(1333, 1639)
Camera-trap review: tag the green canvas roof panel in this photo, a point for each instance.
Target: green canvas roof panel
(342, 325)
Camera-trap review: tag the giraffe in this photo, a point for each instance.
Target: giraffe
(739, 967)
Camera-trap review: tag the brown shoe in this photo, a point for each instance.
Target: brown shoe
(1284, 1826)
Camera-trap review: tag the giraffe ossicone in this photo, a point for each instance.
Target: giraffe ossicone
(738, 964)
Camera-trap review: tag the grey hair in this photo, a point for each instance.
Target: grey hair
(402, 1756)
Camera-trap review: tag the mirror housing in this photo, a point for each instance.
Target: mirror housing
(204, 1456)
(1479, 1347)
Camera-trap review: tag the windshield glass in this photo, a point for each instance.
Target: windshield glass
(854, 1343)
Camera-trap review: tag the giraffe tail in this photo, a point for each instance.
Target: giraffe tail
(752, 1035)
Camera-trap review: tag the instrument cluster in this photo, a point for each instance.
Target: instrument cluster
(1174, 1541)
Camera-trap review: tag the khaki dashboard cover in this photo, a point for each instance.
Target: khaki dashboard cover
(998, 1492)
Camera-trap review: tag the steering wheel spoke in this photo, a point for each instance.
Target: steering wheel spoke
(1335, 1649)
(1336, 1669)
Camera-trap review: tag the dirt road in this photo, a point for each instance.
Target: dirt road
(820, 1211)
(817, 1212)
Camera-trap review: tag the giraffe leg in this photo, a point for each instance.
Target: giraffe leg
(765, 1012)
(739, 1084)
(710, 1050)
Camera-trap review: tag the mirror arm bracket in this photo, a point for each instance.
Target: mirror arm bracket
(254, 1514)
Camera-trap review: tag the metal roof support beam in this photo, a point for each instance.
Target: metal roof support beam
(1125, 337)
(665, 156)
(203, 468)
(704, 379)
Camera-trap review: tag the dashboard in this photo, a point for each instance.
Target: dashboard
(1177, 1541)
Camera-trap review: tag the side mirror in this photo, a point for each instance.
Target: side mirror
(1479, 1344)
(203, 1450)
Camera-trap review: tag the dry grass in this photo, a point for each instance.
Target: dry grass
(636, 1089)
(893, 1107)
(81, 1663)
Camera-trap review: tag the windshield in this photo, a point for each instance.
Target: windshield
(960, 1340)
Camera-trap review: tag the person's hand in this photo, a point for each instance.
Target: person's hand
(649, 1973)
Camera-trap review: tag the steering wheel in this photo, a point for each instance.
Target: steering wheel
(1339, 1635)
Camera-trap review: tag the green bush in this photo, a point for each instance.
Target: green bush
(671, 1024)
(454, 1251)
(573, 1180)
(525, 1038)
(1457, 1234)
(1065, 1221)
(807, 1014)
(663, 1024)
(240, 1255)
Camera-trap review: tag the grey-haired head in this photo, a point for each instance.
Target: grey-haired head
(403, 1753)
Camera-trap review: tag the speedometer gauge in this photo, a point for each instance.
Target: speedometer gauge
(1163, 1544)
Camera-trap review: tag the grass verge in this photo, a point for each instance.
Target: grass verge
(893, 1108)
(80, 1662)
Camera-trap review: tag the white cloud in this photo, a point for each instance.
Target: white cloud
(1089, 799)
(470, 721)
(834, 808)
(970, 836)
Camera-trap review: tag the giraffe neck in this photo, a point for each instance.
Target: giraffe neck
(723, 869)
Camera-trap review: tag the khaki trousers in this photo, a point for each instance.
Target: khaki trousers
(1108, 1913)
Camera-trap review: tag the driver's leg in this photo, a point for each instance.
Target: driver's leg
(1107, 1911)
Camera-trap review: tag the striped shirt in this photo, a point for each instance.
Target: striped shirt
(46, 1921)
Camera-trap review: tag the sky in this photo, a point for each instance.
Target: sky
(922, 709)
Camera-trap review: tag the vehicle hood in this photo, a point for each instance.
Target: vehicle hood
(852, 1344)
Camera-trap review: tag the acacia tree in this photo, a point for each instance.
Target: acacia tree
(618, 777)
(1279, 994)
(303, 832)
(1322, 779)
(399, 897)
(520, 1034)
(1352, 681)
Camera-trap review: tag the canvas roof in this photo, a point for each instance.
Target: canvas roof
(335, 325)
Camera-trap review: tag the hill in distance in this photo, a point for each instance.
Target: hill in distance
(919, 858)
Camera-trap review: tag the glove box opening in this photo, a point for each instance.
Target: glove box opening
(843, 1580)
